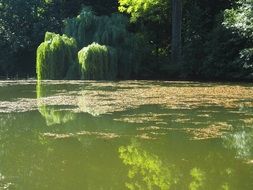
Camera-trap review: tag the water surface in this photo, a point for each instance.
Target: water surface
(62, 135)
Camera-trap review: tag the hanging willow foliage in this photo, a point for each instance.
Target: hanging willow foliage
(110, 31)
(98, 62)
(82, 27)
(57, 58)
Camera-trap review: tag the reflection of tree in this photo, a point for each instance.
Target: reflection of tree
(198, 177)
(146, 170)
(20, 157)
(52, 115)
(3, 183)
(241, 142)
(225, 186)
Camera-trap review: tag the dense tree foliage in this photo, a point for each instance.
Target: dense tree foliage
(151, 20)
(206, 41)
(217, 36)
(98, 62)
(23, 24)
(57, 58)
(107, 49)
(22, 27)
(240, 21)
(241, 18)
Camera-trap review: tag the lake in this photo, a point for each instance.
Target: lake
(94, 135)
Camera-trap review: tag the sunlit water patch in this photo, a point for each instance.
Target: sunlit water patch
(125, 135)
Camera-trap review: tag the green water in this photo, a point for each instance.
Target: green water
(75, 135)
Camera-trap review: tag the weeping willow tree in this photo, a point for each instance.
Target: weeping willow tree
(57, 58)
(117, 56)
(82, 27)
(107, 30)
(98, 62)
(110, 31)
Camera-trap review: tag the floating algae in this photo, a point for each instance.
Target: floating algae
(57, 58)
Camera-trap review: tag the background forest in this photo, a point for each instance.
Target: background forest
(217, 36)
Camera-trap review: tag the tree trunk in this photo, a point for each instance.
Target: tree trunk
(176, 31)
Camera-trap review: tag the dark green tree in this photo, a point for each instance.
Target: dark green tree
(151, 19)
(22, 27)
(240, 21)
(209, 47)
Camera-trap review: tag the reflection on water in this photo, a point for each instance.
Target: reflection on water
(146, 170)
(242, 142)
(52, 115)
(61, 135)
(198, 177)
(3, 182)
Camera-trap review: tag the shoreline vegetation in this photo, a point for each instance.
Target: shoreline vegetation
(127, 40)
